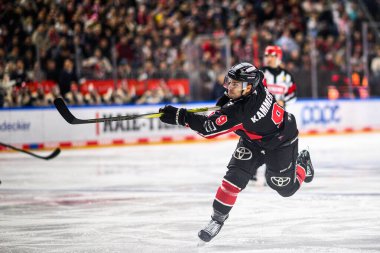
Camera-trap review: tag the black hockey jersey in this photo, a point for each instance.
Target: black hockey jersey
(256, 118)
(280, 83)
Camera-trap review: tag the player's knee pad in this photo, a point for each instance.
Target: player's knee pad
(238, 177)
(283, 183)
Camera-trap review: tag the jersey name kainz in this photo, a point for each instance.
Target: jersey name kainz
(264, 108)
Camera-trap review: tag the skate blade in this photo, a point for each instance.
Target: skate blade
(201, 243)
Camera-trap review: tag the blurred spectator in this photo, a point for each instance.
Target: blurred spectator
(67, 77)
(168, 96)
(148, 72)
(74, 96)
(218, 88)
(162, 72)
(52, 94)
(21, 96)
(158, 39)
(92, 97)
(125, 71)
(107, 96)
(124, 50)
(51, 71)
(40, 38)
(18, 73)
(153, 96)
(29, 51)
(2, 97)
(124, 94)
(5, 86)
(97, 66)
(375, 69)
(375, 63)
(359, 81)
(166, 53)
(38, 98)
(287, 43)
(159, 94)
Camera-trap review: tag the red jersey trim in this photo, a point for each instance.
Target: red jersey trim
(240, 126)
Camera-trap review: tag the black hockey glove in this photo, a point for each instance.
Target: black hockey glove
(173, 115)
(223, 100)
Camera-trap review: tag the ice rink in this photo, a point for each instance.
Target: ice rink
(155, 199)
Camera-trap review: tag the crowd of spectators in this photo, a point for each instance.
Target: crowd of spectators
(68, 41)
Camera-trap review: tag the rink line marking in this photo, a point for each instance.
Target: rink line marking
(83, 197)
(93, 201)
(67, 202)
(334, 132)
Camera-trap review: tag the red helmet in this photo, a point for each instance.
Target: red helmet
(274, 50)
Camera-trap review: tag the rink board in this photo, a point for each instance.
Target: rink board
(44, 127)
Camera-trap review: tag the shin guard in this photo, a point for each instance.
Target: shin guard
(225, 197)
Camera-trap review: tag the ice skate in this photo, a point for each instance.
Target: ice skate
(305, 162)
(213, 227)
(210, 231)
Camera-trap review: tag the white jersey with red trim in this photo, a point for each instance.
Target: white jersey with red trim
(256, 117)
(280, 83)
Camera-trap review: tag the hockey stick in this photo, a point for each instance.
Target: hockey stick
(70, 118)
(51, 156)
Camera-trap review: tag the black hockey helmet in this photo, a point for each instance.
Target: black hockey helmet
(246, 73)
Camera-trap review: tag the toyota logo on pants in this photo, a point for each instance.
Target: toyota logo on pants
(280, 181)
(243, 153)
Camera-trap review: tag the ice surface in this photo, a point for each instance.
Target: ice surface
(156, 198)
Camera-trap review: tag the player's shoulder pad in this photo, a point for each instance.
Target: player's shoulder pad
(231, 107)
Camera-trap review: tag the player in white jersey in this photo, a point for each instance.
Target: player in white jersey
(277, 79)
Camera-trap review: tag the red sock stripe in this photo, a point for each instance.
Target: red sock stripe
(227, 193)
(301, 173)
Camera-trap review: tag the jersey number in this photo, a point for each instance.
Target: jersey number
(277, 114)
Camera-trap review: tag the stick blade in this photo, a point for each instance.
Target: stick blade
(55, 153)
(64, 111)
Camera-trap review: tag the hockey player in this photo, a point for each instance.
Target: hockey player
(278, 80)
(267, 134)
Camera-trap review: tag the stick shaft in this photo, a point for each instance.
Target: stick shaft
(70, 118)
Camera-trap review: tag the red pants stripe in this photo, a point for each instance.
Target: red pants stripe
(300, 173)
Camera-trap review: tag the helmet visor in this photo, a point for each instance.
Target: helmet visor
(229, 82)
